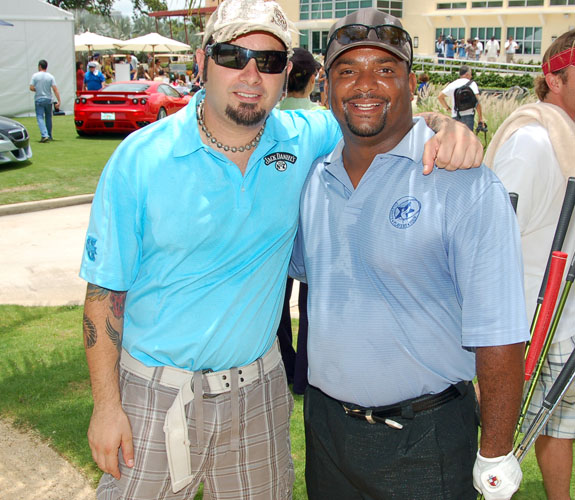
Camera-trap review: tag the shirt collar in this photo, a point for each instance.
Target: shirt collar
(188, 141)
(411, 146)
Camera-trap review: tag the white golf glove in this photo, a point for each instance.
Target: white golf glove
(497, 478)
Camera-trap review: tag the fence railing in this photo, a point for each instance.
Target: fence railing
(444, 65)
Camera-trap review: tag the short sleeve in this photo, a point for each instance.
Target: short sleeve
(486, 261)
(113, 242)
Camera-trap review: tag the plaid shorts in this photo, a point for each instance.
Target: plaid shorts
(262, 469)
(562, 422)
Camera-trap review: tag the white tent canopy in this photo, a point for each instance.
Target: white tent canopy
(154, 42)
(92, 41)
(38, 31)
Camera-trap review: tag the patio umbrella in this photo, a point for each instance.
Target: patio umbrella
(153, 42)
(92, 41)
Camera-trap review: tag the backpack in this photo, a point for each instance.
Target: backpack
(464, 98)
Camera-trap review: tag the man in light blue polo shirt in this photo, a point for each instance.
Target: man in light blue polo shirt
(186, 256)
(415, 285)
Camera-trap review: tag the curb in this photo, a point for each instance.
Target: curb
(35, 206)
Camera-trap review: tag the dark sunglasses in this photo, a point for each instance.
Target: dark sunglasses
(387, 33)
(235, 57)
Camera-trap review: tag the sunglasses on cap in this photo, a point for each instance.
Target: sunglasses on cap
(387, 33)
(235, 57)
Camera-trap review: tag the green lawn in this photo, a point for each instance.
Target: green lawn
(69, 165)
(44, 385)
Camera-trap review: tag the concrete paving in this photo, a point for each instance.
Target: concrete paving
(40, 256)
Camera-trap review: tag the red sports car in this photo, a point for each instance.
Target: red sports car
(125, 106)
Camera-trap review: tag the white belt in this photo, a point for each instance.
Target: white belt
(189, 383)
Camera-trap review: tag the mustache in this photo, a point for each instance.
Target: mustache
(367, 95)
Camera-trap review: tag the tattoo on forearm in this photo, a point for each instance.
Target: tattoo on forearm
(90, 334)
(114, 335)
(95, 292)
(117, 301)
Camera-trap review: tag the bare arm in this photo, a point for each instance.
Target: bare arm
(453, 146)
(32, 88)
(109, 426)
(442, 98)
(57, 94)
(479, 111)
(500, 372)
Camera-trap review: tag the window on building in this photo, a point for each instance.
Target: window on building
(525, 3)
(314, 41)
(394, 8)
(485, 34)
(488, 4)
(528, 38)
(562, 2)
(456, 33)
(452, 5)
(329, 9)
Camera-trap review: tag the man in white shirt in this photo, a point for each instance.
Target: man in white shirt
(532, 155)
(492, 49)
(478, 48)
(511, 47)
(465, 116)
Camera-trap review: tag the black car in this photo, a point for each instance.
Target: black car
(14, 141)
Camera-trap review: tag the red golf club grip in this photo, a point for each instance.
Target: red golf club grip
(558, 262)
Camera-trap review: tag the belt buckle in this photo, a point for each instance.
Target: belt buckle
(358, 413)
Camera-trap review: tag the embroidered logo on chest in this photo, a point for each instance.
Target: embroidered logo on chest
(404, 212)
(281, 160)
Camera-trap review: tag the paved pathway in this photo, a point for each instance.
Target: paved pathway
(40, 256)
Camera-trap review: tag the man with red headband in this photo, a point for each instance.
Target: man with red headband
(532, 153)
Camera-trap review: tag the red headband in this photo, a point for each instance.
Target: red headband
(559, 61)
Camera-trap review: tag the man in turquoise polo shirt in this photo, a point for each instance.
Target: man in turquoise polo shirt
(186, 256)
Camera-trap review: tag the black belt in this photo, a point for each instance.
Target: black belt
(407, 408)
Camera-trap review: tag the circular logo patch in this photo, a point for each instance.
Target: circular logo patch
(405, 212)
(281, 165)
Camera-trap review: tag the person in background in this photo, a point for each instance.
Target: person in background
(321, 80)
(440, 47)
(133, 65)
(532, 154)
(492, 49)
(80, 76)
(93, 79)
(162, 76)
(462, 49)
(478, 48)
(108, 70)
(97, 59)
(142, 74)
(43, 84)
(467, 116)
(470, 49)
(413, 291)
(511, 47)
(449, 47)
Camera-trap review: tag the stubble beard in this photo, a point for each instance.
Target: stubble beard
(246, 114)
(367, 130)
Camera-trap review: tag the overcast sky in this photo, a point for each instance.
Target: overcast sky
(125, 6)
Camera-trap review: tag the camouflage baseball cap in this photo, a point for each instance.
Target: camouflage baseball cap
(233, 18)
